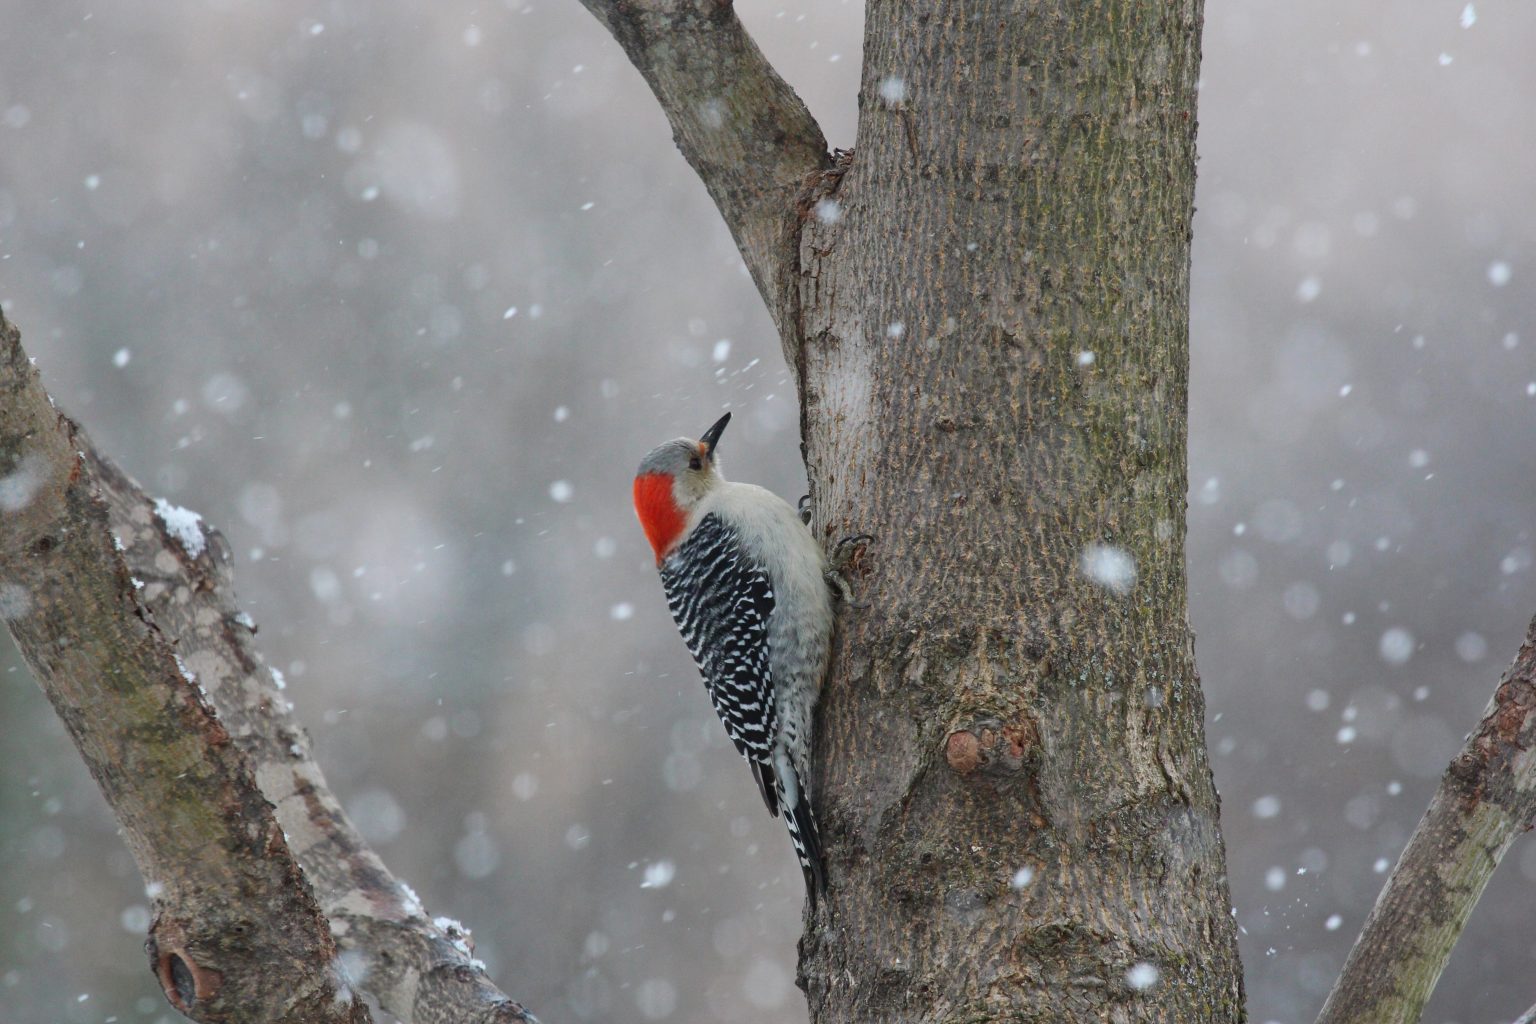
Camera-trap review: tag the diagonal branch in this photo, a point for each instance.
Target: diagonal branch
(237, 934)
(420, 970)
(1486, 798)
(740, 126)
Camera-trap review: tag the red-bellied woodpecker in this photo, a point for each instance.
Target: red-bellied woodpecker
(746, 583)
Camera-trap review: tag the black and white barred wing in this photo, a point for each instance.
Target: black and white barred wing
(721, 600)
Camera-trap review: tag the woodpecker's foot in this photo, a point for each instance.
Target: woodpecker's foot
(804, 508)
(848, 548)
(842, 554)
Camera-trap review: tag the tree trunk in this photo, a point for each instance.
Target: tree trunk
(1019, 812)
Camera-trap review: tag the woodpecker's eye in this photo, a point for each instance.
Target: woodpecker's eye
(695, 463)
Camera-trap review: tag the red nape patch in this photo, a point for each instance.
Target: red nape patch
(660, 517)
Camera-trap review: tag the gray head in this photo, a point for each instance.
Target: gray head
(672, 478)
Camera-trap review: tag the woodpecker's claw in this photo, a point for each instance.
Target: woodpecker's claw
(804, 508)
(848, 547)
(843, 553)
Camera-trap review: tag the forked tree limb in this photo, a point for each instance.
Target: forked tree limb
(1486, 798)
(125, 588)
(740, 126)
(237, 933)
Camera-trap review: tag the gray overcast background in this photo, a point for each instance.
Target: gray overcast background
(270, 254)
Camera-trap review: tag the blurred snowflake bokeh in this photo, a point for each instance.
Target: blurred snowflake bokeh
(396, 296)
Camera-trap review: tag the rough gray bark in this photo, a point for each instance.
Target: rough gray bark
(1486, 798)
(87, 566)
(237, 934)
(1022, 822)
(990, 326)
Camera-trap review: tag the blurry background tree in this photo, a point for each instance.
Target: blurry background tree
(273, 262)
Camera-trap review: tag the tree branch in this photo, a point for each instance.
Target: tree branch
(1486, 798)
(740, 126)
(237, 934)
(420, 970)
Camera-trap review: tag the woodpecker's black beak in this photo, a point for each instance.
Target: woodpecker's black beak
(712, 436)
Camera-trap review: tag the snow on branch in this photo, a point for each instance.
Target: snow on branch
(1486, 798)
(741, 127)
(124, 609)
(237, 935)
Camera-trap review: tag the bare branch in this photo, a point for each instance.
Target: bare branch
(419, 970)
(1486, 798)
(237, 934)
(1528, 1017)
(740, 126)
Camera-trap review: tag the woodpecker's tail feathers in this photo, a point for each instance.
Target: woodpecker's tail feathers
(803, 833)
(762, 771)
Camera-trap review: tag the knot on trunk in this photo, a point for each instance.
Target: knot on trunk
(991, 745)
(184, 982)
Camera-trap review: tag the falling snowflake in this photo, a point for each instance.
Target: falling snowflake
(1110, 567)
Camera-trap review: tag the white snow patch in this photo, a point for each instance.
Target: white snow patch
(413, 907)
(182, 524)
(456, 934)
(188, 675)
(277, 677)
(1110, 567)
